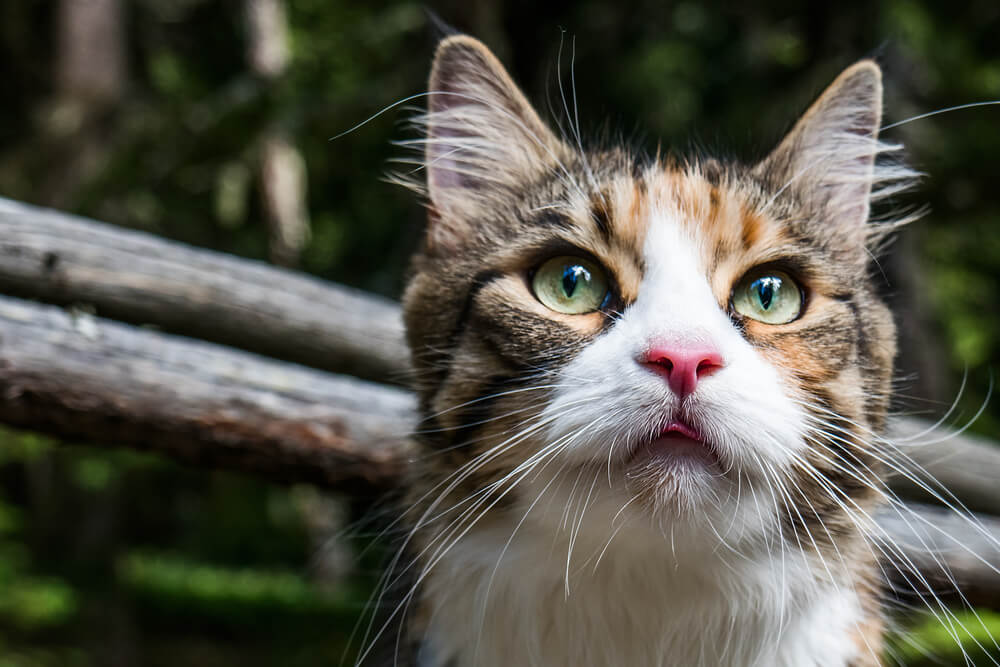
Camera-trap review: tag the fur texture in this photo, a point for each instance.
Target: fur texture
(541, 531)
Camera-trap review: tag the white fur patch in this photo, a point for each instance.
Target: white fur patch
(637, 608)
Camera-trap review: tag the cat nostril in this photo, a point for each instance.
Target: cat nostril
(708, 365)
(682, 366)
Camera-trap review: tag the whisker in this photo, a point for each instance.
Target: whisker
(970, 105)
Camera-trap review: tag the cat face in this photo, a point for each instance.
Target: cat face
(691, 340)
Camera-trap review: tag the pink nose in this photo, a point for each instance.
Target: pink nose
(682, 365)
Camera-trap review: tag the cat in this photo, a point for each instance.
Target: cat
(650, 388)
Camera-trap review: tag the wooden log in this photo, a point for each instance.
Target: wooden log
(82, 377)
(957, 468)
(937, 554)
(138, 278)
(85, 378)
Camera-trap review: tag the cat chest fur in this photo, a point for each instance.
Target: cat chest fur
(636, 609)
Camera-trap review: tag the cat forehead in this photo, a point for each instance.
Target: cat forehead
(631, 219)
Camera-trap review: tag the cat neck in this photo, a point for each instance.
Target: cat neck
(570, 600)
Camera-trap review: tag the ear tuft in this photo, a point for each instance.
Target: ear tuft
(480, 128)
(829, 159)
(481, 137)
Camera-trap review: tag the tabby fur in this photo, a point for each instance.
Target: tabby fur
(535, 538)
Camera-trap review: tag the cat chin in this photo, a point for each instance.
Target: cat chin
(683, 512)
(678, 487)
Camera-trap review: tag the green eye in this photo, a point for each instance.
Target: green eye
(768, 296)
(570, 285)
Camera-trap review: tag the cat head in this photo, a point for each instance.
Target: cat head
(699, 336)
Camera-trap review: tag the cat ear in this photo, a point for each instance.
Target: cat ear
(482, 137)
(828, 158)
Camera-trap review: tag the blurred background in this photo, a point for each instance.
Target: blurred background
(209, 122)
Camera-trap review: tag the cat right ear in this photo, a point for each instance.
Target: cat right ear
(829, 158)
(482, 137)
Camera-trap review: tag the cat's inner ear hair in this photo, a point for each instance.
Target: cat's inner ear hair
(480, 134)
(828, 159)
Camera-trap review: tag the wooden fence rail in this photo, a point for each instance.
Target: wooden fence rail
(85, 377)
(142, 279)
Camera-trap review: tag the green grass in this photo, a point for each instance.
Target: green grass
(930, 642)
(175, 584)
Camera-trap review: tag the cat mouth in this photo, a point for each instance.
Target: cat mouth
(678, 443)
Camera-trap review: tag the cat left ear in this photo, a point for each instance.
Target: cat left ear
(828, 158)
(481, 137)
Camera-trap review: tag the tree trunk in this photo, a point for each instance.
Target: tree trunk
(90, 76)
(281, 167)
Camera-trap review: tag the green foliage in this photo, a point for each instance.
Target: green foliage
(216, 557)
(178, 585)
(10, 519)
(23, 446)
(965, 638)
(42, 657)
(28, 602)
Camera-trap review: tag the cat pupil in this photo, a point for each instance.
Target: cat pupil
(766, 287)
(571, 275)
